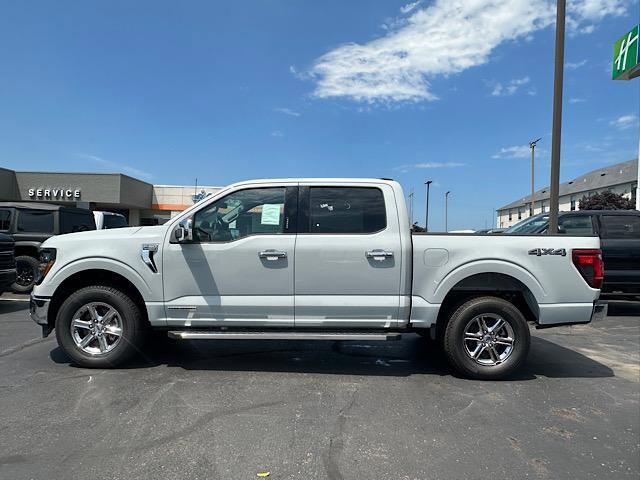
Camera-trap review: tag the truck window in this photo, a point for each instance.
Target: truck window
(71, 222)
(576, 224)
(114, 221)
(621, 226)
(36, 221)
(346, 210)
(5, 219)
(240, 214)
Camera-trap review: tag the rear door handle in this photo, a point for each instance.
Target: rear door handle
(272, 255)
(379, 255)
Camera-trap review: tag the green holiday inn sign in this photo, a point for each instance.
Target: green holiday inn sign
(625, 56)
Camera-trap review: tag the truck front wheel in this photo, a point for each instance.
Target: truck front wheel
(487, 338)
(99, 327)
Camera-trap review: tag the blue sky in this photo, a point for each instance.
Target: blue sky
(450, 91)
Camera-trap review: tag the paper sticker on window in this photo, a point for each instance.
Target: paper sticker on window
(270, 214)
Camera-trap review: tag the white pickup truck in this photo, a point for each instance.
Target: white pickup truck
(312, 259)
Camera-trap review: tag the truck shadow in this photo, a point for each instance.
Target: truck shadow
(407, 357)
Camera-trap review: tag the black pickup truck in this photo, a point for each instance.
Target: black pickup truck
(619, 232)
(7, 263)
(30, 224)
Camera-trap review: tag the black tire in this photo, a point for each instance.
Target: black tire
(455, 346)
(28, 269)
(132, 327)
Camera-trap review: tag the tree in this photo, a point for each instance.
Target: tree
(606, 201)
(417, 228)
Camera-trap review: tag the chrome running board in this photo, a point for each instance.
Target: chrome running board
(280, 335)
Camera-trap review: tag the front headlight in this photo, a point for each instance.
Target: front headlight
(47, 259)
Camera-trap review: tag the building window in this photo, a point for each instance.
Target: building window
(519, 213)
(543, 207)
(530, 211)
(573, 203)
(510, 215)
(633, 193)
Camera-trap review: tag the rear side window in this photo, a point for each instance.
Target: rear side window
(71, 222)
(35, 221)
(346, 210)
(5, 219)
(621, 226)
(576, 224)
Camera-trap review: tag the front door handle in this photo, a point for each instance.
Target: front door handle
(379, 255)
(272, 255)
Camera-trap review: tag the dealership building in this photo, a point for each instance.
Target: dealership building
(141, 202)
(621, 178)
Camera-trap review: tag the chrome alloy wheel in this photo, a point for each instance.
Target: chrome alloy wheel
(96, 328)
(488, 339)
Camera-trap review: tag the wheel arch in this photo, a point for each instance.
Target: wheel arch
(496, 284)
(94, 276)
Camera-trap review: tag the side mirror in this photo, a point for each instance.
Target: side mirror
(183, 233)
(562, 230)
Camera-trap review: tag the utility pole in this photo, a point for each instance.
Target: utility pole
(532, 146)
(446, 211)
(411, 206)
(426, 219)
(557, 119)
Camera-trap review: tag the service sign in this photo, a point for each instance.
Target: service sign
(625, 56)
(46, 193)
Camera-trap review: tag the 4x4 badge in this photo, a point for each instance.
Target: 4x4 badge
(548, 251)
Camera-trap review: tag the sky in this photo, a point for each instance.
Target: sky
(448, 90)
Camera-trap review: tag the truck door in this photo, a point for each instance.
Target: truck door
(238, 269)
(348, 257)
(620, 243)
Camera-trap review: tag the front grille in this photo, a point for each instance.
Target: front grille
(7, 261)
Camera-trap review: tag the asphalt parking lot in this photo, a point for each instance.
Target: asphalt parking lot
(349, 410)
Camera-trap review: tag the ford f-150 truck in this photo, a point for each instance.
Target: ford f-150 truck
(312, 259)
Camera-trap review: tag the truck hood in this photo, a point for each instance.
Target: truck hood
(96, 239)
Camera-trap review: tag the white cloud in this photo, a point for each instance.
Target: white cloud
(442, 39)
(429, 165)
(115, 167)
(287, 111)
(500, 90)
(577, 100)
(409, 7)
(624, 122)
(575, 65)
(583, 15)
(277, 134)
(515, 151)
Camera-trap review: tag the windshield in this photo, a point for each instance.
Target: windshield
(530, 225)
(114, 221)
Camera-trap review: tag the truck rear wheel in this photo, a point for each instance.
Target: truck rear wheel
(487, 338)
(99, 327)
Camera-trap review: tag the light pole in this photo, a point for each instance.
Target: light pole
(411, 206)
(532, 146)
(557, 119)
(446, 211)
(426, 219)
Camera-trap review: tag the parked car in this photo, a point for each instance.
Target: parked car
(619, 232)
(106, 220)
(30, 224)
(490, 231)
(315, 260)
(7, 263)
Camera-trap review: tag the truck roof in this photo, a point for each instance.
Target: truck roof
(40, 206)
